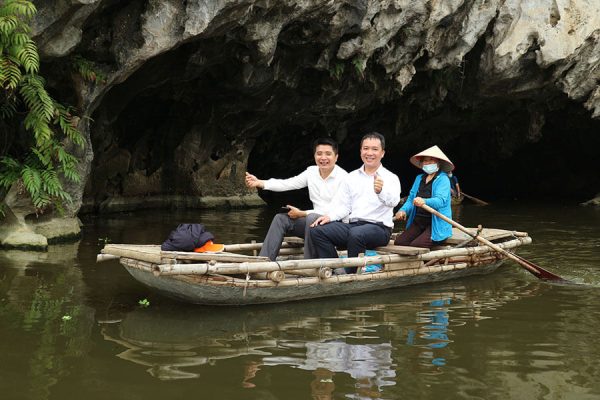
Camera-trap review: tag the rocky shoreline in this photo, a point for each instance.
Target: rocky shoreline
(37, 233)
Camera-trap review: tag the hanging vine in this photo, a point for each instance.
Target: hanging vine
(25, 102)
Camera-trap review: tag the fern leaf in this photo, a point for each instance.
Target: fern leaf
(66, 124)
(41, 131)
(17, 40)
(8, 108)
(72, 175)
(11, 73)
(21, 8)
(40, 201)
(50, 183)
(32, 180)
(28, 55)
(10, 171)
(8, 24)
(43, 156)
(36, 97)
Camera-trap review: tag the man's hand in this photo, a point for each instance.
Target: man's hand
(322, 220)
(377, 184)
(254, 182)
(295, 212)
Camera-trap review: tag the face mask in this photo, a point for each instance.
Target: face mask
(430, 168)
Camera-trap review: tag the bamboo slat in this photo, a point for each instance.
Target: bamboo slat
(336, 279)
(146, 253)
(168, 256)
(275, 276)
(268, 266)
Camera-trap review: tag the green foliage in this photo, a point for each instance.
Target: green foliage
(21, 88)
(144, 303)
(360, 64)
(87, 69)
(337, 70)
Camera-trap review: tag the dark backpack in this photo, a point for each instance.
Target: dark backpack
(187, 237)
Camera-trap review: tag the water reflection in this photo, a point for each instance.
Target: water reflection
(43, 318)
(369, 364)
(363, 339)
(433, 330)
(504, 335)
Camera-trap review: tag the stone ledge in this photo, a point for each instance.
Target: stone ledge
(121, 204)
(58, 230)
(21, 238)
(37, 234)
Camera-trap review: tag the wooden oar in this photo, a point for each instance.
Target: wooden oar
(475, 199)
(537, 271)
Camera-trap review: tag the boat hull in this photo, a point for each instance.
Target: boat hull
(211, 291)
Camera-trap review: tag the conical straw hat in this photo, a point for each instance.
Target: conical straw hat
(434, 151)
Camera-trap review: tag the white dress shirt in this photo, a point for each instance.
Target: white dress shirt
(356, 198)
(321, 191)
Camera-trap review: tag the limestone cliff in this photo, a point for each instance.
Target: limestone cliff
(194, 90)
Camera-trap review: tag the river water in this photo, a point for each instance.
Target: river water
(74, 329)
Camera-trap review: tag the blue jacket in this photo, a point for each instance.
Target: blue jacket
(439, 201)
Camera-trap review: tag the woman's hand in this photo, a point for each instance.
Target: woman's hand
(400, 215)
(418, 201)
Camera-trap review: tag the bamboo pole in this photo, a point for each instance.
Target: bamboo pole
(172, 256)
(336, 279)
(106, 257)
(322, 273)
(275, 276)
(257, 246)
(535, 270)
(475, 199)
(268, 266)
(221, 280)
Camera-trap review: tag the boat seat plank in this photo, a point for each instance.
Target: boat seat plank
(293, 241)
(487, 233)
(402, 250)
(153, 254)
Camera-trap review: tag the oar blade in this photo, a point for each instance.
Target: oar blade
(541, 273)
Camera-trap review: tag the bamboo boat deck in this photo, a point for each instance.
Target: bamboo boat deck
(236, 277)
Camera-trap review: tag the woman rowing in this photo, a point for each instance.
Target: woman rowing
(433, 189)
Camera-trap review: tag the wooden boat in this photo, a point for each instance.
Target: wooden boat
(235, 277)
(457, 200)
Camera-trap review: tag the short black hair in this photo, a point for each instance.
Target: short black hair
(374, 135)
(326, 141)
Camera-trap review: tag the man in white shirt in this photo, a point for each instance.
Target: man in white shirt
(367, 198)
(322, 180)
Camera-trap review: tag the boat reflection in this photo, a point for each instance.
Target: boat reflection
(366, 339)
(433, 332)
